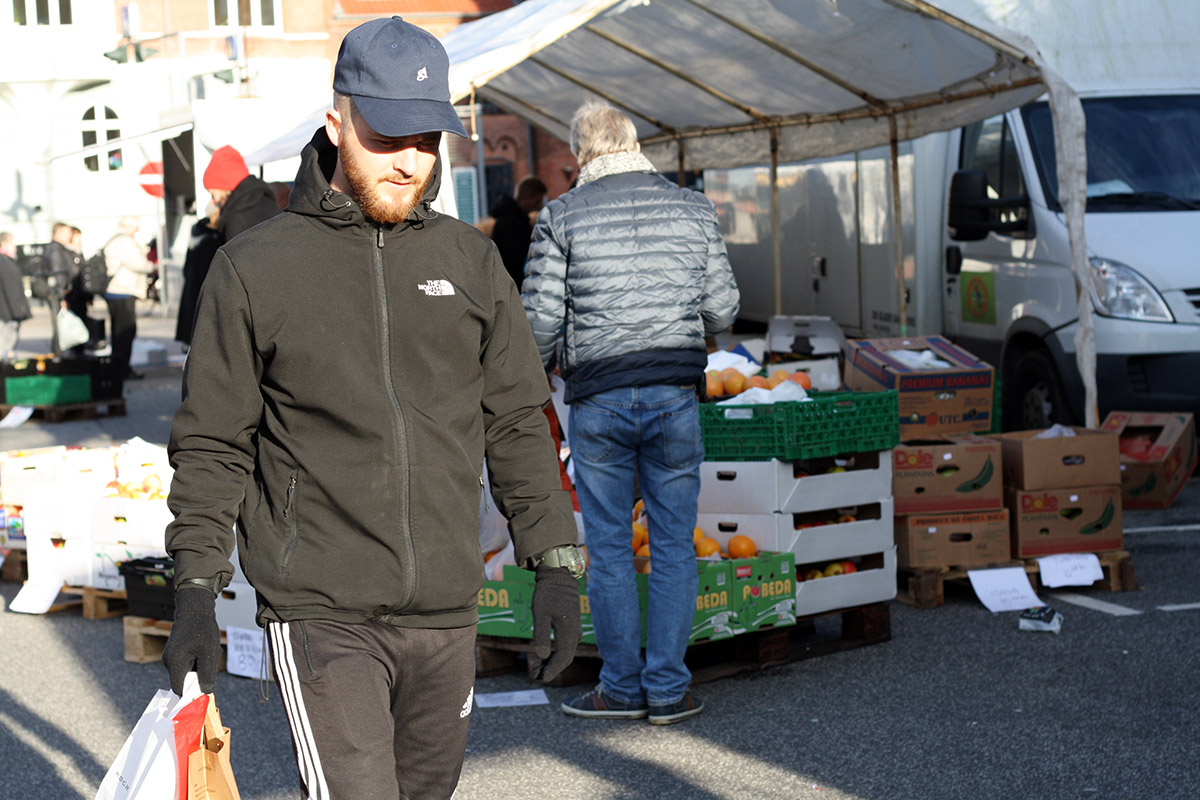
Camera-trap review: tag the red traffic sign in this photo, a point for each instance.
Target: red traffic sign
(151, 178)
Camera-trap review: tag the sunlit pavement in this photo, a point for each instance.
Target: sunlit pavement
(959, 704)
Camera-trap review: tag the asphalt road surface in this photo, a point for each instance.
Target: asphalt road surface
(959, 703)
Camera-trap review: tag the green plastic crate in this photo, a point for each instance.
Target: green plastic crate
(829, 424)
(47, 390)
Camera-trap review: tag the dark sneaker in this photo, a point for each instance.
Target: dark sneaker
(597, 705)
(678, 711)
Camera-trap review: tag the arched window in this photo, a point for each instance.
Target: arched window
(100, 124)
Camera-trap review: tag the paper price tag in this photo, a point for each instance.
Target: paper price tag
(244, 652)
(1070, 569)
(1004, 589)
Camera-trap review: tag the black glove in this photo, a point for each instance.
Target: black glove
(195, 640)
(555, 606)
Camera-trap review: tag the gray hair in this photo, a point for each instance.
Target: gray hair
(598, 129)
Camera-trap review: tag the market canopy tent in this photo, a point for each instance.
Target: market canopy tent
(711, 83)
(726, 83)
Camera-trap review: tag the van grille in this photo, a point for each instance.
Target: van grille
(1193, 297)
(1138, 380)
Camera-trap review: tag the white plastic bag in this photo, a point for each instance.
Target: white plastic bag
(72, 331)
(146, 768)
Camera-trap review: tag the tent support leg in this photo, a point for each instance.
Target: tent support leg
(775, 243)
(897, 230)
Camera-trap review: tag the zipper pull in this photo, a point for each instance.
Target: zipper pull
(487, 505)
(291, 489)
(379, 236)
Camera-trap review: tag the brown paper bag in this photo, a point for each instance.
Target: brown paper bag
(210, 776)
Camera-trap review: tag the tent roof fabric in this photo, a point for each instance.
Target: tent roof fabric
(385, 8)
(716, 80)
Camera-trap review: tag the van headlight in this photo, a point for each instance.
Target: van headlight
(1119, 291)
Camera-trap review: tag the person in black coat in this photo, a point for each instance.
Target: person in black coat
(14, 308)
(513, 228)
(243, 199)
(201, 248)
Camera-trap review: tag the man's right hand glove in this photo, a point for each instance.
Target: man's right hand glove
(195, 641)
(555, 607)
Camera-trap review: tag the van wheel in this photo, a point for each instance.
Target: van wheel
(1035, 398)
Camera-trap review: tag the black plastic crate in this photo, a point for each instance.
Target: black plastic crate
(150, 587)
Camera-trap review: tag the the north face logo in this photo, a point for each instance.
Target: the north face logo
(466, 709)
(438, 288)
(422, 74)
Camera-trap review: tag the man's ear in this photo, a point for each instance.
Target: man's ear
(333, 126)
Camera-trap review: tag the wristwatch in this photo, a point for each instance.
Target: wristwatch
(567, 556)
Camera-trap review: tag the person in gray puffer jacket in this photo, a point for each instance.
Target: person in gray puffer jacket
(631, 272)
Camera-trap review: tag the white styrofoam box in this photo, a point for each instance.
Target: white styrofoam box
(85, 473)
(137, 460)
(867, 585)
(237, 605)
(47, 516)
(142, 523)
(65, 561)
(820, 336)
(870, 532)
(23, 470)
(757, 487)
(104, 558)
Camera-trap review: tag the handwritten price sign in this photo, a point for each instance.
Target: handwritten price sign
(1070, 569)
(244, 652)
(1004, 589)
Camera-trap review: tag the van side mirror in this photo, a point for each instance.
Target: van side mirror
(972, 215)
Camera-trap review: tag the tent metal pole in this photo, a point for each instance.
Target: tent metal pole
(897, 230)
(775, 243)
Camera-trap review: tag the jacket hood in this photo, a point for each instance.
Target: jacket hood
(313, 196)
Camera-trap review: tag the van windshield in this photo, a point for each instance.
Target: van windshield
(1143, 152)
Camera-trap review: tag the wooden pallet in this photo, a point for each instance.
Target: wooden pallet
(1119, 575)
(709, 661)
(97, 603)
(145, 640)
(924, 587)
(66, 412)
(15, 568)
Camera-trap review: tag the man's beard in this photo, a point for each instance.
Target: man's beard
(367, 191)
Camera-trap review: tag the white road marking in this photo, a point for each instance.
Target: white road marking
(1160, 528)
(1095, 605)
(1179, 607)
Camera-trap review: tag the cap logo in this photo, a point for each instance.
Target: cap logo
(422, 74)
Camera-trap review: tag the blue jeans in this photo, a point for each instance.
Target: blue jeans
(648, 435)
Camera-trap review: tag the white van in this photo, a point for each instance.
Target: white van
(986, 256)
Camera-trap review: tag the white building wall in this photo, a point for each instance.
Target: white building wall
(51, 74)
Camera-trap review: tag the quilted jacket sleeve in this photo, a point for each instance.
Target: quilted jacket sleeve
(544, 291)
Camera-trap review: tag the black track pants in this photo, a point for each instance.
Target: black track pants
(377, 712)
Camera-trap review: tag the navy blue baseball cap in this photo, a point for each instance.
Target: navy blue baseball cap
(399, 77)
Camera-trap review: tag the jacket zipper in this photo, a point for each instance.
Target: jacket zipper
(385, 344)
(289, 513)
(487, 505)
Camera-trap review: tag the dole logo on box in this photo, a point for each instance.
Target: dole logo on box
(913, 459)
(1032, 504)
